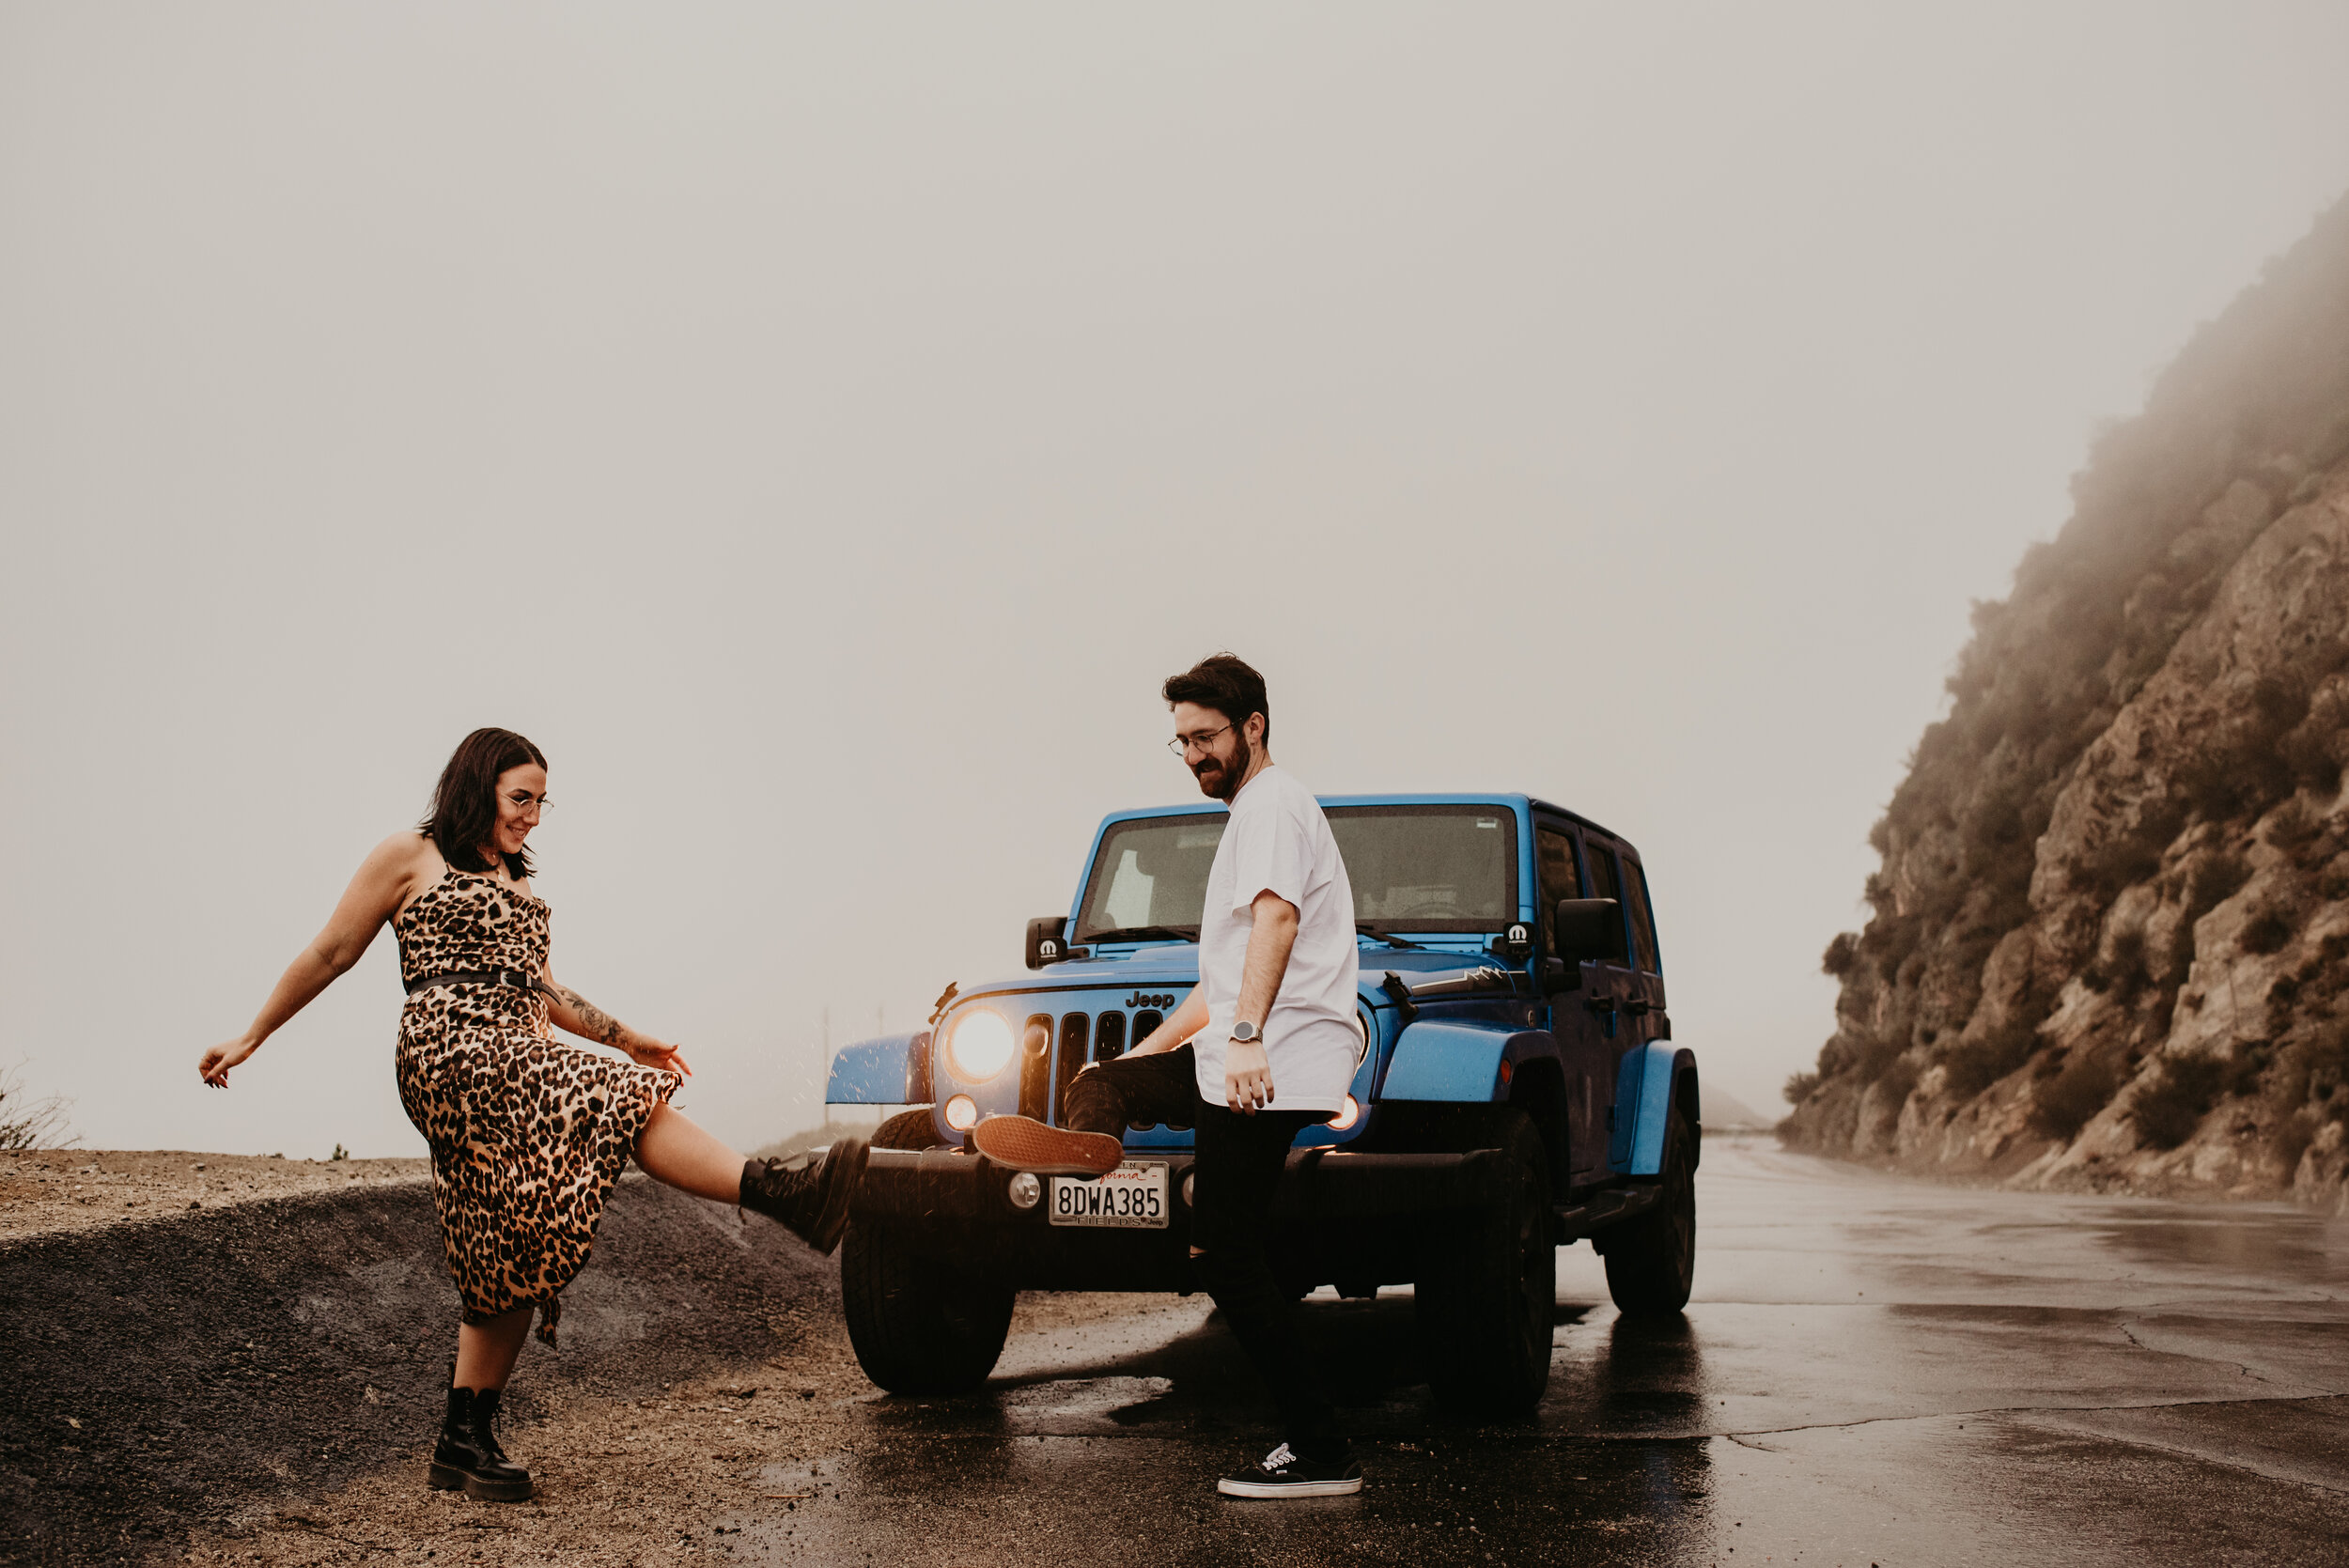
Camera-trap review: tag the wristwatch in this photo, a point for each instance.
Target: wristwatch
(1247, 1034)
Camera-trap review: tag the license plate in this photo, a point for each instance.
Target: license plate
(1133, 1195)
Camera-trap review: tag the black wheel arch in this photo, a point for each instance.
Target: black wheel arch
(1539, 1090)
(1686, 1100)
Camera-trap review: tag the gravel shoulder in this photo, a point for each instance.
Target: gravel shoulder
(260, 1380)
(670, 1474)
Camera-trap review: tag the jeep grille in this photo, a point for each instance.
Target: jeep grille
(1053, 1050)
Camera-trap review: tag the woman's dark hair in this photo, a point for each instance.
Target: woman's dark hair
(1225, 682)
(465, 802)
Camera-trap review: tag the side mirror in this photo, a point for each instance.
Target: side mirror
(1045, 944)
(1590, 930)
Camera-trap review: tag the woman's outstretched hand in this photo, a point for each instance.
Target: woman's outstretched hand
(656, 1053)
(216, 1062)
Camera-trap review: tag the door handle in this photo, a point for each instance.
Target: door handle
(1600, 1003)
(1638, 1007)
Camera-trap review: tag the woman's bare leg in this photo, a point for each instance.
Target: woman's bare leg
(672, 1149)
(486, 1352)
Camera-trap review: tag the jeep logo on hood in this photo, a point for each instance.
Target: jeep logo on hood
(1150, 999)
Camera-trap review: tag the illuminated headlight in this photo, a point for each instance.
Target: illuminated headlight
(1343, 1121)
(1025, 1189)
(979, 1045)
(962, 1114)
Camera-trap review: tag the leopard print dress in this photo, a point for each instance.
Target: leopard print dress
(527, 1134)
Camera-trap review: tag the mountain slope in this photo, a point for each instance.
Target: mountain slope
(2109, 945)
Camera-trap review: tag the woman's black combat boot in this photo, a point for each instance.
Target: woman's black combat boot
(467, 1458)
(810, 1201)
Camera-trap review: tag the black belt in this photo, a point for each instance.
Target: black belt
(520, 979)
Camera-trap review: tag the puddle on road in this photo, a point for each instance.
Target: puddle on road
(2238, 1242)
(1112, 1398)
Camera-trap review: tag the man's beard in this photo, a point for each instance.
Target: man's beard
(1226, 784)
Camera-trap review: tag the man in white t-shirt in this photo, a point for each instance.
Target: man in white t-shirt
(1261, 1049)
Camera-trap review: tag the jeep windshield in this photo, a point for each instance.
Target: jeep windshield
(1414, 868)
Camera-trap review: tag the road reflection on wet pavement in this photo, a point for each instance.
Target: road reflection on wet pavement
(1872, 1371)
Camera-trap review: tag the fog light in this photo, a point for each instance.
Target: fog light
(1342, 1122)
(962, 1114)
(1187, 1177)
(1025, 1189)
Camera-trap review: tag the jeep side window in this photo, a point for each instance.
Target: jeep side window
(1606, 882)
(1561, 877)
(1643, 923)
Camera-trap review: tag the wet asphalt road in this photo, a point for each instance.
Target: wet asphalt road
(1874, 1372)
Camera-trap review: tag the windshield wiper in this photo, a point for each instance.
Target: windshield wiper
(1365, 928)
(1144, 934)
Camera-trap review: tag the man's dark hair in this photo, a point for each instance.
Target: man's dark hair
(465, 802)
(1225, 683)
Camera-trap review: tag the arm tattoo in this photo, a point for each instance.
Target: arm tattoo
(595, 1022)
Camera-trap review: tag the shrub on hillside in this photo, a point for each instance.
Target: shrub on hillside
(1974, 1066)
(1876, 1055)
(2063, 1105)
(2129, 858)
(1898, 1082)
(2292, 1137)
(1800, 1087)
(2294, 827)
(2269, 930)
(2167, 1110)
(2242, 769)
(2215, 877)
(2212, 878)
(2316, 1068)
(2121, 969)
(2315, 749)
(26, 1123)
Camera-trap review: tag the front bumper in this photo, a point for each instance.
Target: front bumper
(1334, 1211)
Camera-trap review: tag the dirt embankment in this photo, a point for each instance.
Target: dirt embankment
(261, 1381)
(71, 1189)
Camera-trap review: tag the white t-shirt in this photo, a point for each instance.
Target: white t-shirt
(1278, 841)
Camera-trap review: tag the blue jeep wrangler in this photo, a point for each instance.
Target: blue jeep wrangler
(1517, 1090)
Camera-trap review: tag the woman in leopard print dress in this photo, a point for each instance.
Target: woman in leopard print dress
(527, 1133)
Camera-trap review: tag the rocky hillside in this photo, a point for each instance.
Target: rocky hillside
(2110, 945)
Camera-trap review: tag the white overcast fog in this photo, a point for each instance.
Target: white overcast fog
(822, 430)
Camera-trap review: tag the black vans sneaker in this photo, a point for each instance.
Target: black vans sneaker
(1282, 1474)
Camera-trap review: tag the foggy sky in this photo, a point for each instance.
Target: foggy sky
(820, 431)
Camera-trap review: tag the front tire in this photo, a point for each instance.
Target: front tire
(907, 1129)
(1652, 1261)
(919, 1325)
(1487, 1292)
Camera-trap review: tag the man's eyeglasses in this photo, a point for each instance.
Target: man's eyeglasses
(1181, 745)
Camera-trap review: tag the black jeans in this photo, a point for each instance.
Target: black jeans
(1239, 1164)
